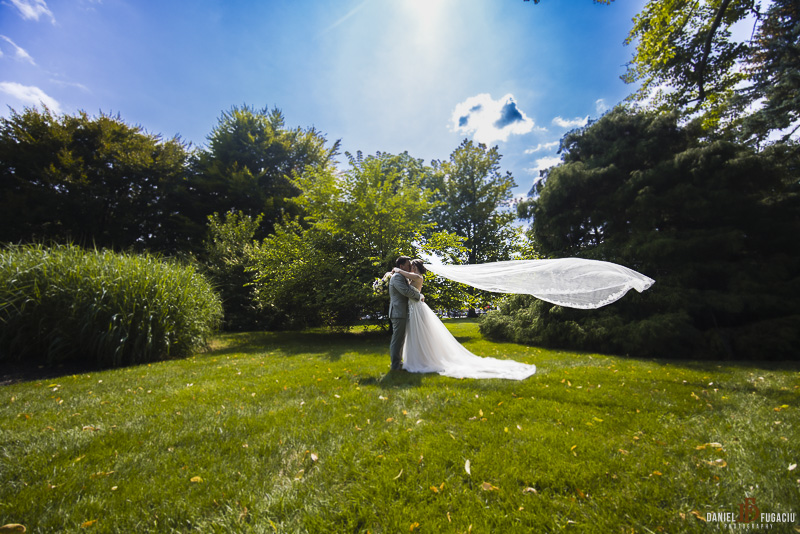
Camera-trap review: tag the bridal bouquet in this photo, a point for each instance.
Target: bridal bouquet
(381, 285)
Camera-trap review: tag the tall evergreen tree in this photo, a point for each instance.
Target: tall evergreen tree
(709, 221)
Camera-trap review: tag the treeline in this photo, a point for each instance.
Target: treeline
(98, 181)
(288, 235)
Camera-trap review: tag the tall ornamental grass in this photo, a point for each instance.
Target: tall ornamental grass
(69, 304)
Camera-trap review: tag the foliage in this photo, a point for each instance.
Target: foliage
(250, 161)
(685, 54)
(88, 180)
(471, 192)
(709, 221)
(471, 195)
(225, 261)
(69, 304)
(301, 432)
(688, 61)
(774, 67)
(358, 222)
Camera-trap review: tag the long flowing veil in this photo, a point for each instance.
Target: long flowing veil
(571, 282)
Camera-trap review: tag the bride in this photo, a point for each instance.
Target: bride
(431, 348)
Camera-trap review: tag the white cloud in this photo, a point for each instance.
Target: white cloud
(600, 106)
(577, 122)
(33, 9)
(489, 120)
(30, 95)
(19, 53)
(542, 146)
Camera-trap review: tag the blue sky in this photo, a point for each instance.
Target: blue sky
(389, 75)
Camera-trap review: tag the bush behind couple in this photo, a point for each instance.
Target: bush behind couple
(400, 291)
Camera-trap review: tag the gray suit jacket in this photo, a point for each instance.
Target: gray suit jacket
(399, 293)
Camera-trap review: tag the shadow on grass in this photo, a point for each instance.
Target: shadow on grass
(331, 345)
(393, 380)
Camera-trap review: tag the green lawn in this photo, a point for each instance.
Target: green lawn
(301, 432)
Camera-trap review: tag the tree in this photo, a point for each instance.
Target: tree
(227, 246)
(250, 161)
(708, 220)
(687, 59)
(357, 222)
(471, 192)
(774, 69)
(88, 180)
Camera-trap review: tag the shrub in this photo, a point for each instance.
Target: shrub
(69, 304)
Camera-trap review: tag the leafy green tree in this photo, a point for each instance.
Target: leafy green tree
(357, 222)
(472, 195)
(687, 59)
(227, 246)
(708, 220)
(774, 69)
(471, 192)
(88, 180)
(250, 161)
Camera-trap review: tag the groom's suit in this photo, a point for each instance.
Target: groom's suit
(399, 293)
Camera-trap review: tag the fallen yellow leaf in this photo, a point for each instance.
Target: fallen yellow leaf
(488, 487)
(89, 523)
(413, 526)
(196, 480)
(434, 489)
(12, 527)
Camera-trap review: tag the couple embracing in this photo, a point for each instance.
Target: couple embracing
(422, 344)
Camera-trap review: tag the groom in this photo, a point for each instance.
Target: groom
(399, 293)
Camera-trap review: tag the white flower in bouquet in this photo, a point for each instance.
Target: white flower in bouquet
(381, 285)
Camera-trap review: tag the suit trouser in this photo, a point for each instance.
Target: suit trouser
(398, 340)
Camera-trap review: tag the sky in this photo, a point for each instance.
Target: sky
(379, 75)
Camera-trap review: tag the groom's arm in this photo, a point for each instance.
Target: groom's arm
(399, 282)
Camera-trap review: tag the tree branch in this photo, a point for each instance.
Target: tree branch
(701, 67)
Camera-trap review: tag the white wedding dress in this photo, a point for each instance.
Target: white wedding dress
(431, 348)
(572, 282)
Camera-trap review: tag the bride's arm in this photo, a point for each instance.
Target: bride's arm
(415, 279)
(409, 275)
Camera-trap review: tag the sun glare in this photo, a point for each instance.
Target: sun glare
(424, 9)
